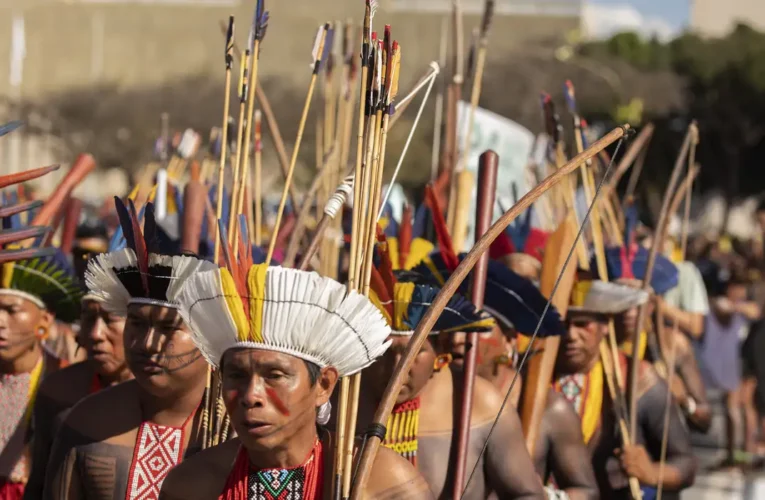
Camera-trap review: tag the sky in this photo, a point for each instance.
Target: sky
(664, 18)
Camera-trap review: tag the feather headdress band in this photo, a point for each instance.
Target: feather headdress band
(510, 298)
(285, 310)
(630, 262)
(602, 297)
(139, 273)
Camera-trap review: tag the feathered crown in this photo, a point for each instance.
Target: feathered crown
(631, 260)
(140, 272)
(403, 304)
(48, 282)
(510, 298)
(278, 309)
(602, 297)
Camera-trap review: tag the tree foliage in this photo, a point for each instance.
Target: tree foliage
(724, 90)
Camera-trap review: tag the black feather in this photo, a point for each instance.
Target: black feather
(125, 222)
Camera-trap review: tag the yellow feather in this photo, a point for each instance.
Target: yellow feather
(256, 285)
(234, 303)
(402, 297)
(418, 252)
(393, 252)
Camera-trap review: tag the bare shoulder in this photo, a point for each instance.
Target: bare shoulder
(64, 385)
(112, 405)
(393, 477)
(558, 405)
(487, 401)
(203, 475)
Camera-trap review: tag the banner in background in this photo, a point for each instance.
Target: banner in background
(512, 142)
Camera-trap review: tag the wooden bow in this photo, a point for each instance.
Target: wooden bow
(691, 137)
(451, 286)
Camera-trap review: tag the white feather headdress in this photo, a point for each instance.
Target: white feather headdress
(117, 281)
(601, 297)
(295, 312)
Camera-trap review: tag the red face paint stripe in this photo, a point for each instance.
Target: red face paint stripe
(277, 402)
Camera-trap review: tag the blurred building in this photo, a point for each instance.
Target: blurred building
(718, 17)
(51, 46)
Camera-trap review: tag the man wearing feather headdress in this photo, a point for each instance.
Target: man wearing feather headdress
(517, 305)
(580, 378)
(101, 337)
(433, 386)
(281, 338)
(33, 293)
(122, 441)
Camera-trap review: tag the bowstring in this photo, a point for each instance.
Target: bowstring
(544, 312)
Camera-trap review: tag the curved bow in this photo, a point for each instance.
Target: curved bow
(451, 286)
(691, 137)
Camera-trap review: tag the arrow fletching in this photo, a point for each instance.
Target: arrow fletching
(488, 15)
(230, 43)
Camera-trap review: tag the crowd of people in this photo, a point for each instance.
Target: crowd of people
(172, 346)
(127, 412)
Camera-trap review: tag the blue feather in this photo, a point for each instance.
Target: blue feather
(125, 223)
(391, 230)
(510, 297)
(421, 217)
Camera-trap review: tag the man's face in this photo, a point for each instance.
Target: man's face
(270, 397)
(160, 351)
(419, 374)
(20, 321)
(490, 345)
(101, 337)
(581, 343)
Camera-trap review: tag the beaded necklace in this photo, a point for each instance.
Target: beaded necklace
(303, 482)
(403, 426)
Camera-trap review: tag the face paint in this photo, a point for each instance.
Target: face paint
(277, 402)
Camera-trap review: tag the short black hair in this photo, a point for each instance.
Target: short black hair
(313, 372)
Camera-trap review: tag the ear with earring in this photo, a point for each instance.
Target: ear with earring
(441, 362)
(42, 332)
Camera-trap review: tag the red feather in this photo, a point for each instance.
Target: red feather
(378, 285)
(445, 246)
(141, 253)
(386, 266)
(404, 235)
(501, 247)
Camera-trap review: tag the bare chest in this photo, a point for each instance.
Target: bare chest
(133, 465)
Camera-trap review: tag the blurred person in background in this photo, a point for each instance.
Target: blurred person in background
(719, 354)
(685, 307)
